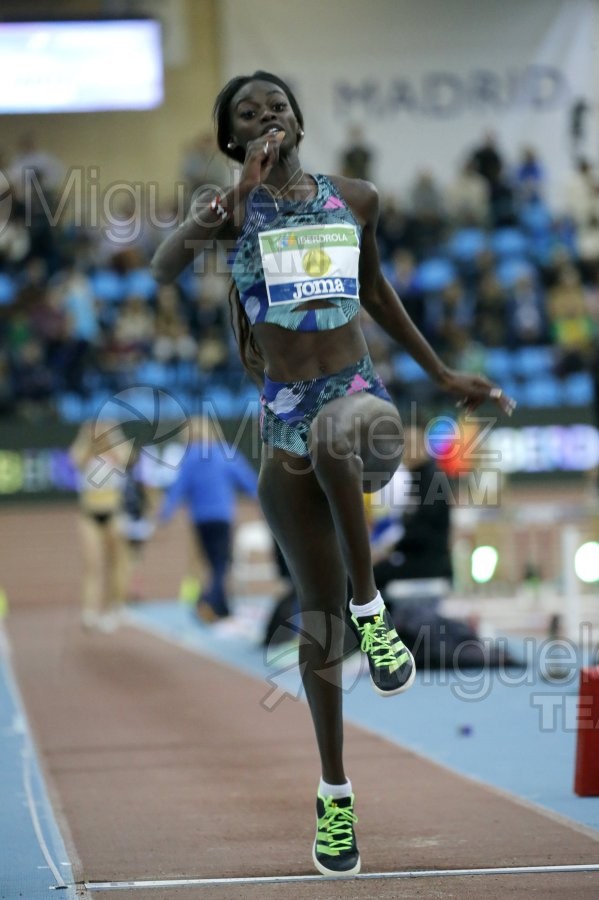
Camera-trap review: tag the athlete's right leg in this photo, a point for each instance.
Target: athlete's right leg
(355, 444)
(298, 514)
(92, 593)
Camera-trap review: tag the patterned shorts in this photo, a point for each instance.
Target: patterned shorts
(288, 408)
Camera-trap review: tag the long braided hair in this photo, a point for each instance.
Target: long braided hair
(249, 351)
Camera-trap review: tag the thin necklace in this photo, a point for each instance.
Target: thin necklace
(290, 183)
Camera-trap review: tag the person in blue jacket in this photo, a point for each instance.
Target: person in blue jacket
(207, 483)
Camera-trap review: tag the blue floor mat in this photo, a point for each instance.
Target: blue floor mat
(33, 859)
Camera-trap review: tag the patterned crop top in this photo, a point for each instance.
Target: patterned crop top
(290, 252)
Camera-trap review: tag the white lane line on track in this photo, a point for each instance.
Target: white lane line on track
(287, 879)
(27, 755)
(26, 758)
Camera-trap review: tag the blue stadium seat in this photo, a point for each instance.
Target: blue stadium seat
(140, 403)
(140, 283)
(466, 244)
(533, 362)
(154, 374)
(188, 374)
(507, 243)
(407, 369)
(540, 392)
(107, 285)
(499, 363)
(96, 401)
(578, 389)
(535, 218)
(7, 289)
(434, 274)
(188, 282)
(222, 400)
(388, 269)
(70, 407)
(510, 270)
(247, 393)
(172, 407)
(513, 389)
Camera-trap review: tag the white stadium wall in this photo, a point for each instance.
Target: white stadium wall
(426, 79)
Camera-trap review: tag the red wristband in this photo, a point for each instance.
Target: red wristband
(217, 207)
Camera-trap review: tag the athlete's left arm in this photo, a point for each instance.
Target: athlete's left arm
(384, 305)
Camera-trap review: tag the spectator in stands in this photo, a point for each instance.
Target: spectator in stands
(579, 112)
(525, 313)
(32, 169)
(490, 311)
(489, 162)
(503, 202)
(394, 229)
(401, 272)
(30, 375)
(468, 197)
(93, 351)
(51, 326)
(529, 176)
(74, 289)
(571, 325)
(356, 157)
(15, 239)
(427, 208)
(128, 341)
(591, 291)
(447, 318)
(207, 482)
(32, 378)
(487, 158)
(173, 341)
(556, 251)
(581, 193)
(210, 322)
(587, 246)
(426, 197)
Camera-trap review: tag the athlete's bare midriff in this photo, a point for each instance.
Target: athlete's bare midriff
(302, 355)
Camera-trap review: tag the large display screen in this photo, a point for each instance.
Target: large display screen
(80, 66)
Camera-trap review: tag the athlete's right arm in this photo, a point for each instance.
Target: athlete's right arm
(215, 216)
(209, 219)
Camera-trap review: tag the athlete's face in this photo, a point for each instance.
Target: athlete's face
(260, 107)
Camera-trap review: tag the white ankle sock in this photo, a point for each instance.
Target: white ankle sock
(368, 609)
(336, 791)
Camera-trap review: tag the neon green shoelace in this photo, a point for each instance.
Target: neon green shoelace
(336, 828)
(376, 643)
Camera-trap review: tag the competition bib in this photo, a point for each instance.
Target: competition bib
(310, 262)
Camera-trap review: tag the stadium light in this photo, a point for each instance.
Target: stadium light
(483, 564)
(586, 562)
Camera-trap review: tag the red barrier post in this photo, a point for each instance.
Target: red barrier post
(586, 779)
